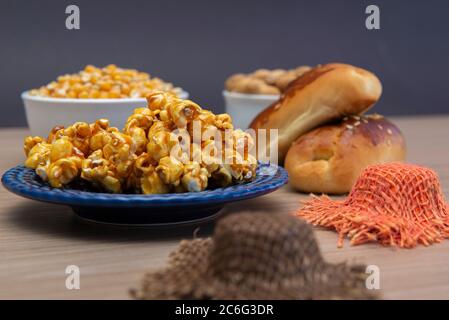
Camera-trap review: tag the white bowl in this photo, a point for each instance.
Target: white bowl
(43, 113)
(243, 107)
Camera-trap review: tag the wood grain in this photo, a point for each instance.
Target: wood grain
(38, 240)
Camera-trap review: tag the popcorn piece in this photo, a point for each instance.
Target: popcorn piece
(159, 100)
(159, 140)
(39, 155)
(210, 156)
(62, 148)
(118, 150)
(52, 136)
(58, 163)
(195, 178)
(137, 127)
(223, 121)
(170, 108)
(182, 112)
(143, 165)
(145, 179)
(79, 135)
(30, 142)
(242, 142)
(240, 168)
(153, 184)
(222, 177)
(170, 170)
(62, 171)
(101, 172)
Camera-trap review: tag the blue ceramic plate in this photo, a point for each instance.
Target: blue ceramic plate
(152, 209)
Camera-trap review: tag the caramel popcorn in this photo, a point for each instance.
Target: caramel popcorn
(137, 127)
(30, 142)
(170, 170)
(58, 162)
(38, 155)
(78, 134)
(156, 152)
(100, 131)
(263, 81)
(101, 172)
(110, 82)
(195, 177)
(61, 172)
(153, 184)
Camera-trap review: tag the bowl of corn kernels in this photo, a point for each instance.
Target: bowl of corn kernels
(246, 95)
(110, 92)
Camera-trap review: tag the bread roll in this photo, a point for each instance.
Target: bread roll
(330, 158)
(325, 93)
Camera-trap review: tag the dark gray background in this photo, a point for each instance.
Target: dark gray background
(197, 44)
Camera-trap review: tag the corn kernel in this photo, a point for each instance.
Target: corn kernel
(105, 85)
(71, 94)
(93, 79)
(94, 94)
(104, 95)
(83, 95)
(89, 68)
(114, 81)
(113, 95)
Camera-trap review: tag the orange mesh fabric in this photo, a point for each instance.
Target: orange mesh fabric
(395, 204)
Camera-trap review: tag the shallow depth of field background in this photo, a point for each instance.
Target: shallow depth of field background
(197, 44)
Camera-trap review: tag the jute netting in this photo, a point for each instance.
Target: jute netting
(395, 204)
(254, 255)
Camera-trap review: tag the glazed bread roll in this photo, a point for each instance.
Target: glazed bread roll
(325, 93)
(330, 158)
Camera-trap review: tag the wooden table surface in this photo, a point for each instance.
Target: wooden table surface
(38, 240)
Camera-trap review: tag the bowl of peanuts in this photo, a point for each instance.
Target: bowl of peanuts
(246, 95)
(93, 93)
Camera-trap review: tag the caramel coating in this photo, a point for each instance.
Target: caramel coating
(154, 153)
(137, 127)
(101, 172)
(58, 162)
(264, 81)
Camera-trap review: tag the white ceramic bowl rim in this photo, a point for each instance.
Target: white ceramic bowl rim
(250, 95)
(26, 95)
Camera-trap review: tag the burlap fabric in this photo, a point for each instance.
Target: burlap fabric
(396, 204)
(254, 255)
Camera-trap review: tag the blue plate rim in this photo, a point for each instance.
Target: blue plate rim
(12, 180)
